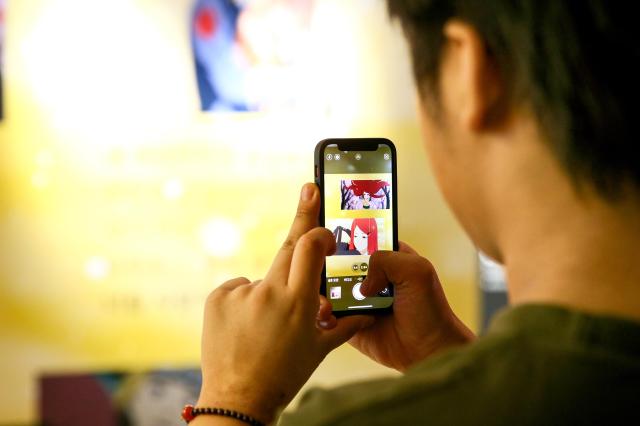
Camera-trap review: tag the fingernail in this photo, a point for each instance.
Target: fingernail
(323, 324)
(307, 193)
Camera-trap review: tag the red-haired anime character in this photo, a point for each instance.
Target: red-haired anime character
(365, 190)
(364, 235)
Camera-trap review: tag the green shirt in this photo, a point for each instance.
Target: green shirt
(536, 365)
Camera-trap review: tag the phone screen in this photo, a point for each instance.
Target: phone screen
(359, 209)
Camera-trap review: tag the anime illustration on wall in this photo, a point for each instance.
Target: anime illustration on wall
(245, 52)
(365, 195)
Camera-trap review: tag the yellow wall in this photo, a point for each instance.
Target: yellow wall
(115, 190)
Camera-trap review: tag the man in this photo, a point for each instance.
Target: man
(526, 110)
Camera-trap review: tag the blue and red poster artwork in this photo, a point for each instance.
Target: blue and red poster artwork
(249, 54)
(220, 66)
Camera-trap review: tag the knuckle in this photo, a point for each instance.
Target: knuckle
(310, 242)
(289, 243)
(326, 234)
(262, 296)
(425, 268)
(376, 257)
(425, 264)
(301, 309)
(303, 212)
(213, 297)
(322, 234)
(242, 292)
(376, 260)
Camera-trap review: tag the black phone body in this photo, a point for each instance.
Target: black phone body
(358, 186)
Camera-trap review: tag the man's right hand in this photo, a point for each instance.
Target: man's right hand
(422, 322)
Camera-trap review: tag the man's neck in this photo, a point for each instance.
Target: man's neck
(571, 248)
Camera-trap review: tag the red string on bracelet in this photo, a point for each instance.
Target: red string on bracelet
(189, 412)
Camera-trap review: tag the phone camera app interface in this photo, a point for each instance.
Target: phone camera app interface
(358, 211)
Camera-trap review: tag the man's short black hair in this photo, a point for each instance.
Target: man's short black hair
(575, 63)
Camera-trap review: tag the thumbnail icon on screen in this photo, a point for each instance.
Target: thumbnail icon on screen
(335, 293)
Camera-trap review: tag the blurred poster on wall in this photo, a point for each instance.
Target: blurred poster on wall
(248, 54)
(2, 12)
(110, 398)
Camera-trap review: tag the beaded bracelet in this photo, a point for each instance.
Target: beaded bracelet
(190, 412)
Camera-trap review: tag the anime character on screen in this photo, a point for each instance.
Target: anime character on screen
(361, 238)
(366, 200)
(365, 195)
(364, 236)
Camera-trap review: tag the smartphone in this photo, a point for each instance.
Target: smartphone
(357, 180)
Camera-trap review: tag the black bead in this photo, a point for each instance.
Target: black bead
(227, 413)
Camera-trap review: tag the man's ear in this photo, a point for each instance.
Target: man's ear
(470, 74)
